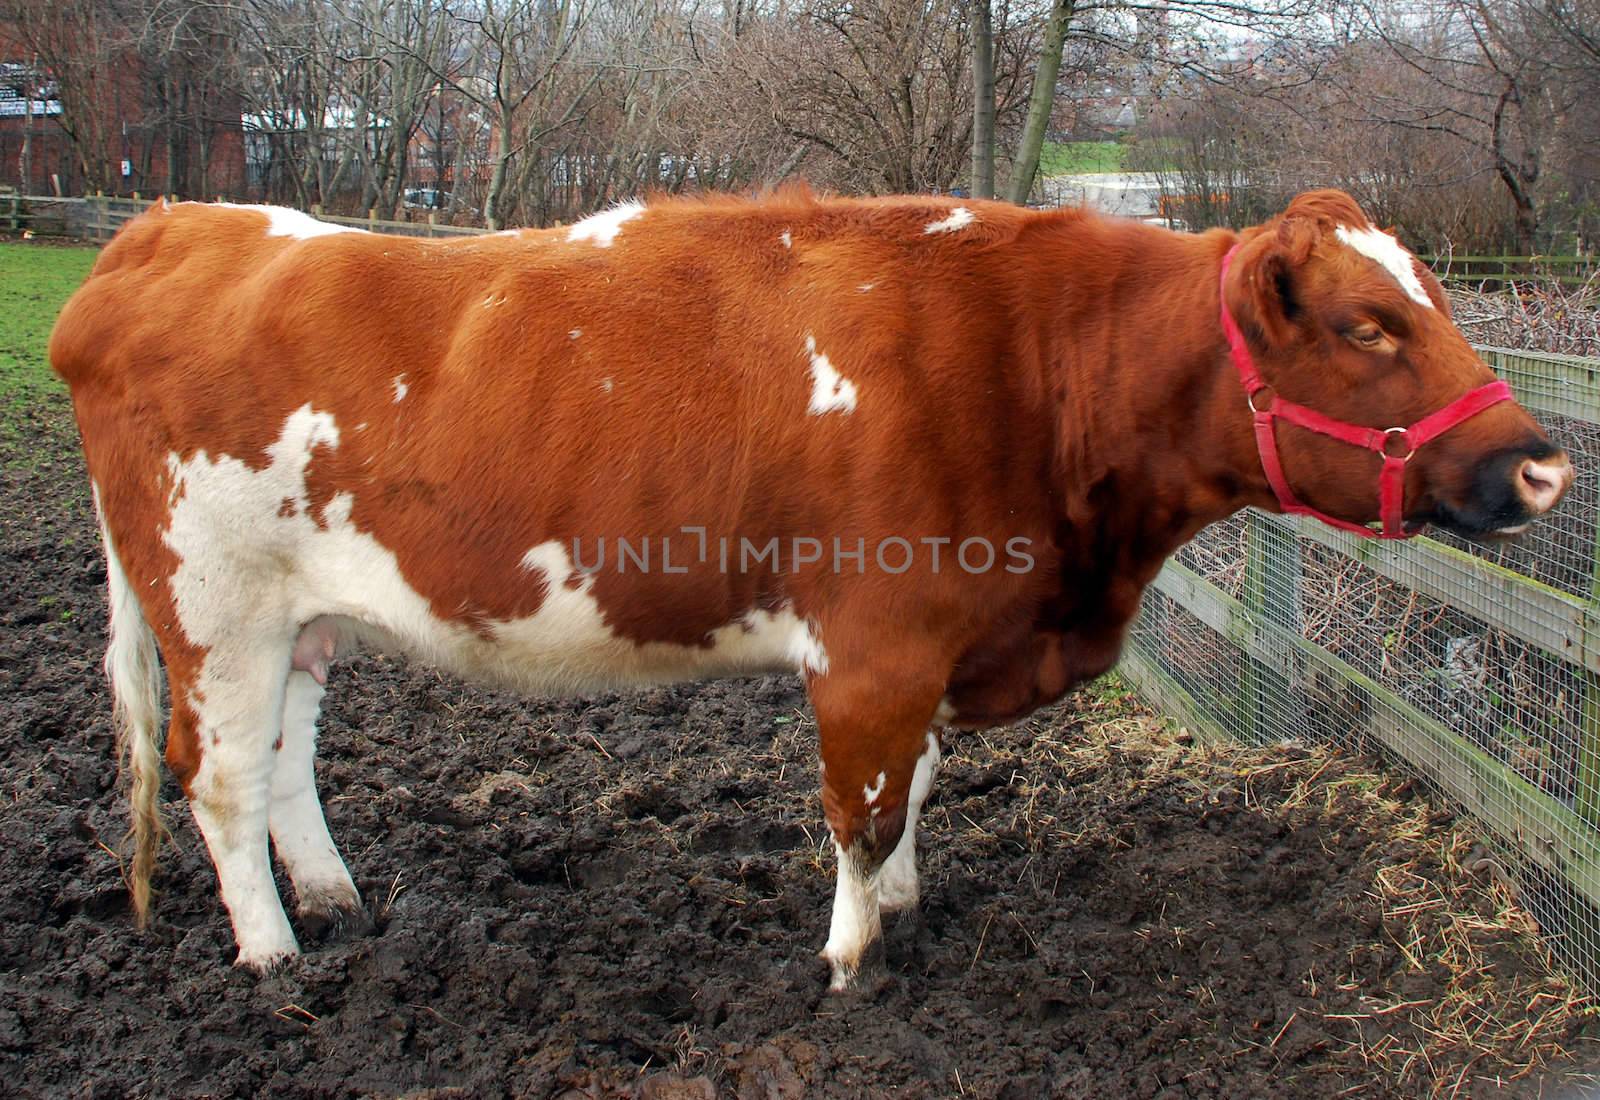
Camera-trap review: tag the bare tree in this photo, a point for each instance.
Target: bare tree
(982, 100)
(1041, 104)
(293, 93)
(881, 90)
(391, 85)
(1485, 83)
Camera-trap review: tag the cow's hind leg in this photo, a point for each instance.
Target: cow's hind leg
(875, 749)
(327, 895)
(225, 722)
(898, 886)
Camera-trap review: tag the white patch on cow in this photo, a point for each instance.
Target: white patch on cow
(284, 222)
(400, 388)
(606, 385)
(1389, 254)
(491, 300)
(786, 238)
(871, 791)
(602, 228)
(959, 218)
(855, 923)
(864, 287)
(830, 390)
(898, 886)
(574, 334)
(945, 712)
(568, 638)
(226, 518)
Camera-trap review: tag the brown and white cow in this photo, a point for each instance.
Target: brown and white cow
(925, 453)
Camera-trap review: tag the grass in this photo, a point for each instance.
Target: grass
(35, 282)
(1059, 158)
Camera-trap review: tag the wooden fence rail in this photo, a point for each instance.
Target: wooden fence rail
(104, 214)
(98, 217)
(1565, 270)
(1257, 646)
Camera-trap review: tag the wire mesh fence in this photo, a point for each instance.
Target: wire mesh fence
(1475, 667)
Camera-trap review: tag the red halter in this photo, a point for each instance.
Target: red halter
(1392, 480)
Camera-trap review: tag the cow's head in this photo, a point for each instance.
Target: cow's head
(1340, 319)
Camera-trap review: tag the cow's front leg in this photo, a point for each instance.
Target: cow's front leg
(877, 767)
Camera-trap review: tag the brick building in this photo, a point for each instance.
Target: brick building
(114, 126)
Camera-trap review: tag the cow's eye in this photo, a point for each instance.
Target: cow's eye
(1368, 337)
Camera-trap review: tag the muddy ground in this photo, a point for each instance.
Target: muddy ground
(624, 896)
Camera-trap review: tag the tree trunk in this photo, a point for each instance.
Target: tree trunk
(174, 167)
(1043, 101)
(25, 159)
(982, 101)
(1518, 174)
(497, 179)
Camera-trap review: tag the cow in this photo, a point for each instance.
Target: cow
(925, 452)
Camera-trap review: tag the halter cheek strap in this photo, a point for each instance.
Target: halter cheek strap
(1395, 445)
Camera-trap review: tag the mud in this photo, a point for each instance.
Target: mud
(623, 896)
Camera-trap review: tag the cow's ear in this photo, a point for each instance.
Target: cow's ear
(1262, 289)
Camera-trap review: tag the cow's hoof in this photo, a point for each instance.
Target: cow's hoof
(265, 963)
(327, 924)
(865, 973)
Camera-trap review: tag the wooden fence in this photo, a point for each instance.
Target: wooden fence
(98, 217)
(1228, 654)
(1500, 270)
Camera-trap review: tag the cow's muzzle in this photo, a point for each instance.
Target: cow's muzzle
(1508, 492)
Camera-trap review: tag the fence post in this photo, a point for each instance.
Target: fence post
(372, 219)
(431, 222)
(1271, 597)
(1586, 795)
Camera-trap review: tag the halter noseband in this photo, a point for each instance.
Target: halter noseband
(1391, 481)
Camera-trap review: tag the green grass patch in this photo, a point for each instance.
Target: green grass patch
(35, 282)
(1060, 158)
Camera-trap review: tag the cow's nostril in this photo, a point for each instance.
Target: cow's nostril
(1543, 483)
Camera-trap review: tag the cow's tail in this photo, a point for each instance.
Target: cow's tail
(135, 675)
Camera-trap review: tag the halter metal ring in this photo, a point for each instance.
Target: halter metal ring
(1389, 433)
